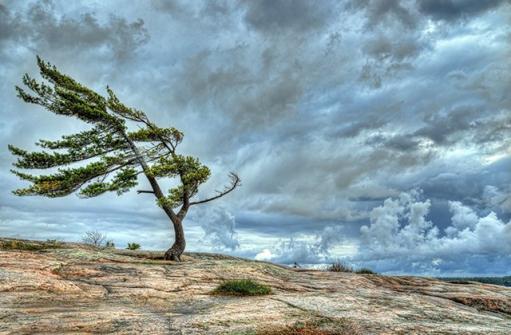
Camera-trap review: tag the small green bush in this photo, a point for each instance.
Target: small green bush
(133, 246)
(366, 271)
(339, 266)
(242, 287)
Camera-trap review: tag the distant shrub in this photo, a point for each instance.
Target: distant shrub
(339, 266)
(95, 239)
(29, 245)
(365, 271)
(110, 244)
(242, 287)
(133, 246)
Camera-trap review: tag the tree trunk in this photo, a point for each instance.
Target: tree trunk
(175, 251)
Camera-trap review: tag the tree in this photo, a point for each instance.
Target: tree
(109, 157)
(94, 238)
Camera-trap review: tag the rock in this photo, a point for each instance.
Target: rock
(76, 289)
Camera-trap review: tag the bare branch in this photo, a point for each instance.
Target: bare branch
(144, 191)
(94, 238)
(235, 182)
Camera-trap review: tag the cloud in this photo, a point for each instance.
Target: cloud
(219, 226)
(325, 110)
(305, 249)
(295, 250)
(400, 238)
(297, 16)
(39, 27)
(385, 12)
(383, 47)
(441, 128)
(451, 10)
(497, 198)
(264, 255)
(168, 6)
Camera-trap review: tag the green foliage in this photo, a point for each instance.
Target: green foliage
(191, 172)
(122, 110)
(62, 183)
(340, 266)
(133, 246)
(123, 181)
(94, 139)
(108, 159)
(242, 287)
(153, 133)
(67, 97)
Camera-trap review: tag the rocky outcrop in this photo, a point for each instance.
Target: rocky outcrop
(75, 289)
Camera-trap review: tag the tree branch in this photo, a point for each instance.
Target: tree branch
(120, 166)
(172, 148)
(152, 180)
(186, 203)
(144, 191)
(235, 182)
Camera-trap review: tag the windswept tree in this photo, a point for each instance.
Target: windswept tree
(109, 157)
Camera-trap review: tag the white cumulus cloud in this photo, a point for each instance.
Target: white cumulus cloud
(400, 238)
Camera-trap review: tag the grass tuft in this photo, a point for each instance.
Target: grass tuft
(133, 246)
(339, 266)
(242, 287)
(366, 271)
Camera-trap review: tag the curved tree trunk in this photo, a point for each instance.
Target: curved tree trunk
(174, 253)
(176, 250)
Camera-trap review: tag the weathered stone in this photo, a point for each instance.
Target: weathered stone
(76, 289)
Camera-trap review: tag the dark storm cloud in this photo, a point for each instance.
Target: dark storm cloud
(234, 86)
(354, 129)
(451, 10)
(325, 109)
(297, 16)
(5, 26)
(393, 39)
(443, 128)
(469, 187)
(40, 27)
(405, 143)
(384, 11)
(169, 6)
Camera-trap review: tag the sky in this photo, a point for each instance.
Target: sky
(375, 132)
